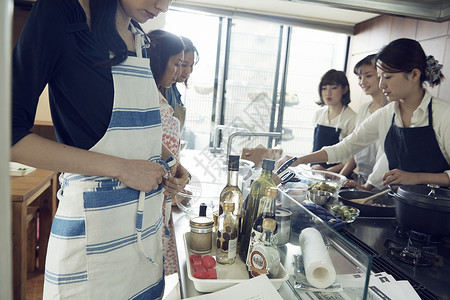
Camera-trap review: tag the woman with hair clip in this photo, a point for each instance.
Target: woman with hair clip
(172, 94)
(166, 58)
(106, 237)
(372, 155)
(414, 128)
(336, 119)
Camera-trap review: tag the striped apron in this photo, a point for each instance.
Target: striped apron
(106, 238)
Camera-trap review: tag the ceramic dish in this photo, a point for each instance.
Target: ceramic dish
(227, 275)
(16, 169)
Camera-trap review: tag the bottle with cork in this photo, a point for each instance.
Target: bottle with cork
(232, 193)
(227, 235)
(264, 257)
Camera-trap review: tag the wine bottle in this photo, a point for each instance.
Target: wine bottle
(257, 191)
(232, 193)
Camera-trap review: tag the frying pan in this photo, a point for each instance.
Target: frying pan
(368, 210)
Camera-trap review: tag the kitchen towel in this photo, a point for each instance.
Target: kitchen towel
(319, 269)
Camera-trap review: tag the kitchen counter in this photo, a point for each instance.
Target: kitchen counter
(209, 174)
(187, 289)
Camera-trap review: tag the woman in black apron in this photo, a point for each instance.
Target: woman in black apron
(364, 161)
(414, 128)
(335, 120)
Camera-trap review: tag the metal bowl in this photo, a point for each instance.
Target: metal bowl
(319, 197)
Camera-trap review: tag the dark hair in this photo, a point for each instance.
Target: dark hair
(369, 60)
(163, 45)
(334, 77)
(103, 27)
(404, 55)
(189, 47)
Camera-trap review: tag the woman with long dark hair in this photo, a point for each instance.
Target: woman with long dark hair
(414, 128)
(172, 94)
(106, 237)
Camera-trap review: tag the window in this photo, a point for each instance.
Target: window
(246, 58)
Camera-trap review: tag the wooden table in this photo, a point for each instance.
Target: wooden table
(35, 189)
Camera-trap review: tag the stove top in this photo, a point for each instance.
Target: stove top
(421, 259)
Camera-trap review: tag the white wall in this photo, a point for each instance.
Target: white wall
(6, 10)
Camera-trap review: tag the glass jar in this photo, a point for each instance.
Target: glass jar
(200, 239)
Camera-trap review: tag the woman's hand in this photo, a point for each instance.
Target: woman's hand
(397, 176)
(178, 181)
(141, 175)
(353, 183)
(318, 167)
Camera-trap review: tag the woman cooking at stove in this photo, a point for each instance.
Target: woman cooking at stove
(414, 127)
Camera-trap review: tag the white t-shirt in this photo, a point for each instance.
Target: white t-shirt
(345, 120)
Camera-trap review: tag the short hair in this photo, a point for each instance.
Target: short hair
(334, 77)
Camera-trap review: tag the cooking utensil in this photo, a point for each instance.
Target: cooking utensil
(286, 165)
(367, 199)
(422, 208)
(382, 206)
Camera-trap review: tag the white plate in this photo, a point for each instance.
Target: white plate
(16, 169)
(227, 275)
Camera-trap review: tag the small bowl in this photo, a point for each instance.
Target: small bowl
(340, 211)
(319, 197)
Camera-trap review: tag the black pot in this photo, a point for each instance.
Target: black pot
(367, 210)
(423, 208)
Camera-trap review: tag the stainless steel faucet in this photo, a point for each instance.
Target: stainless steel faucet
(215, 149)
(240, 133)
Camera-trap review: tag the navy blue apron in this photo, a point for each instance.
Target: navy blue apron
(414, 149)
(325, 136)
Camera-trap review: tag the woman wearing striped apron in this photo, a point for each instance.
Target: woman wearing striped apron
(106, 239)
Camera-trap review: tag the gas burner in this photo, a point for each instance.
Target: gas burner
(417, 257)
(416, 236)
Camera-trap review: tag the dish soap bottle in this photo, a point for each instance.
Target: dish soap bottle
(257, 191)
(227, 234)
(232, 193)
(264, 257)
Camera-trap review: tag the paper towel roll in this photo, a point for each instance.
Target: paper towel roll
(319, 269)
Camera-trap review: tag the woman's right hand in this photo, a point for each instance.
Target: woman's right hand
(141, 175)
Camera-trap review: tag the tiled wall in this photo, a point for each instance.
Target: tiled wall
(372, 35)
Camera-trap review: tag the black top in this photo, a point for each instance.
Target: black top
(56, 47)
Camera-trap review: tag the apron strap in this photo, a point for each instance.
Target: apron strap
(141, 205)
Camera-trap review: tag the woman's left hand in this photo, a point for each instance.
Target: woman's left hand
(397, 176)
(176, 183)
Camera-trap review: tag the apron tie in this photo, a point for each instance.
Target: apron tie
(141, 205)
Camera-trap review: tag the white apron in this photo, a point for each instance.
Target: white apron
(106, 238)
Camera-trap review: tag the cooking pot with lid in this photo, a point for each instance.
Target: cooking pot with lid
(423, 208)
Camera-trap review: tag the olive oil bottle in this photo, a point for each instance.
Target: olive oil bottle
(257, 191)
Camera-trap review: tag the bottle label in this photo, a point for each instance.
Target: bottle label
(254, 237)
(258, 263)
(232, 246)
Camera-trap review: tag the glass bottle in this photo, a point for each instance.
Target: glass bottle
(264, 257)
(232, 193)
(267, 209)
(227, 235)
(257, 191)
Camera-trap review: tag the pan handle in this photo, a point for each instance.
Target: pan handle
(393, 187)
